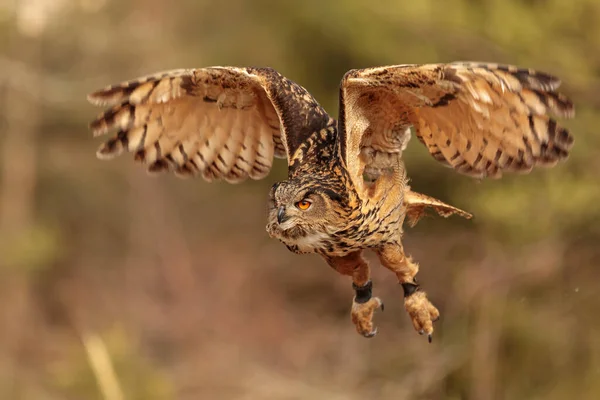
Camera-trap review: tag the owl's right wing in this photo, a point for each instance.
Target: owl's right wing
(218, 122)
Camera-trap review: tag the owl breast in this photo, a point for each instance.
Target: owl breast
(300, 240)
(310, 243)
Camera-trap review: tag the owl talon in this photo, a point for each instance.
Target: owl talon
(422, 313)
(370, 334)
(362, 316)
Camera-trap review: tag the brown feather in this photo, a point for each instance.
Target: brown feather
(480, 119)
(219, 122)
(417, 204)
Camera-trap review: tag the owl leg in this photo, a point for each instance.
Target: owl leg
(419, 308)
(363, 304)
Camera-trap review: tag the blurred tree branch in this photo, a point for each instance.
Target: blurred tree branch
(101, 365)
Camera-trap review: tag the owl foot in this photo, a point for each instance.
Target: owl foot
(363, 307)
(422, 313)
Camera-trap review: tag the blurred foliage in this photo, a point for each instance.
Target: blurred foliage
(178, 279)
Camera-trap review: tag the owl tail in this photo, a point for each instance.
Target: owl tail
(416, 204)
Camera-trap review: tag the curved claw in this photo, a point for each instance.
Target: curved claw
(362, 316)
(371, 334)
(422, 313)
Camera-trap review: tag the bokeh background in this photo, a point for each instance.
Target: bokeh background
(116, 286)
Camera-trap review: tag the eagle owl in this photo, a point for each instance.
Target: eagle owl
(347, 188)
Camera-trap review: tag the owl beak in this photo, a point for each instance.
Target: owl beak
(281, 217)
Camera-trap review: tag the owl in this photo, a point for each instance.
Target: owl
(347, 189)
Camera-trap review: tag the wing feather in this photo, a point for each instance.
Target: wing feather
(417, 204)
(480, 119)
(217, 122)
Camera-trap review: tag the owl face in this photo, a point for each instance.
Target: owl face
(301, 215)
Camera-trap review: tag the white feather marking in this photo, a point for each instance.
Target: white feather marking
(310, 242)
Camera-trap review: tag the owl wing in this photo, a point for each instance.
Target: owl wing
(480, 119)
(218, 122)
(417, 204)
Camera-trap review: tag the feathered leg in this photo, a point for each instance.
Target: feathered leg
(419, 308)
(363, 304)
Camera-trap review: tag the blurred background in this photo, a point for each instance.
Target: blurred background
(115, 285)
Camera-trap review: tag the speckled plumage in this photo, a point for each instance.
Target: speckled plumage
(347, 188)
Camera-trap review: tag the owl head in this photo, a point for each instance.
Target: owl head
(304, 214)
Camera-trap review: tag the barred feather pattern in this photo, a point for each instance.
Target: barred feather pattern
(479, 119)
(219, 122)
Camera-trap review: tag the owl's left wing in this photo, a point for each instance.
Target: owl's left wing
(417, 204)
(480, 119)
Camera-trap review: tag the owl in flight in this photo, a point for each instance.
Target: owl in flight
(347, 188)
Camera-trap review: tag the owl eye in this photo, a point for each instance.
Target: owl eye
(303, 205)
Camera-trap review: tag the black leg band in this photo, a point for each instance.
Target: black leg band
(409, 288)
(363, 293)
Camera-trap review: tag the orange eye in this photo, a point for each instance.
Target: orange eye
(303, 205)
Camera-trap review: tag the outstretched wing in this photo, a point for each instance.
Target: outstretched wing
(219, 122)
(480, 119)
